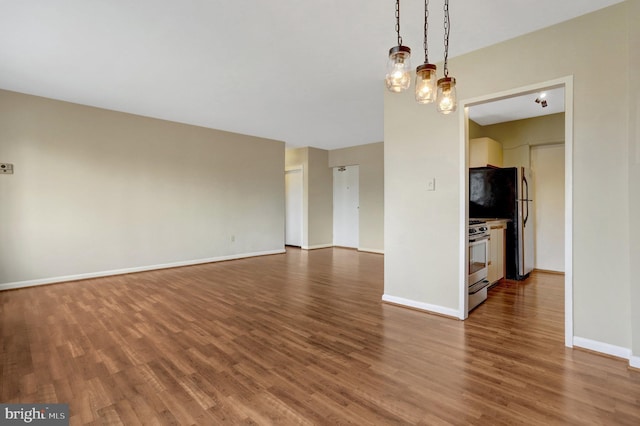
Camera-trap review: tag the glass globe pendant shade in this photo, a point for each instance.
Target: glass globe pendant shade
(426, 83)
(446, 101)
(398, 69)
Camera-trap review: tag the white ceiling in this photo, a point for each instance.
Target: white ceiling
(518, 107)
(309, 73)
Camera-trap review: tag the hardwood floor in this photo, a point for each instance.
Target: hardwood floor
(300, 338)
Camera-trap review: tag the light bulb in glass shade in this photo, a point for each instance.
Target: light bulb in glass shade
(398, 69)
(446, 101)
(426, 83)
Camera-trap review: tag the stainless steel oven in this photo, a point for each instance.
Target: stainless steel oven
(478, 263)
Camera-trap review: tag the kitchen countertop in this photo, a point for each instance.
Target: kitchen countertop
(493, 220)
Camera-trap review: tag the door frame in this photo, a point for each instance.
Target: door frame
(567, 83)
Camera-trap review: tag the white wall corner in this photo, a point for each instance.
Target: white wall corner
(441, 310)
(604, 348)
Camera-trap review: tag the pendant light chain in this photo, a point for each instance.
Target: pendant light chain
(447, 26)
(426, 30)
(398, 22)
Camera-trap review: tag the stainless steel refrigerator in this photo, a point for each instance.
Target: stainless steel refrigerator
(506, 193)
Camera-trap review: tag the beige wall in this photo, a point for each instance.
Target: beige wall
(531, 131)
(317, 198)
(475, 130)
(634, 172)
(370, 159)
(320, 199)
(97, 190)
(518, 136)
(422, 228)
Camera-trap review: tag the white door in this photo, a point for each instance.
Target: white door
(346, 200)
(293, 208)
(547, 161)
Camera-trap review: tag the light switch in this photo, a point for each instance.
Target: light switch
(431, 184)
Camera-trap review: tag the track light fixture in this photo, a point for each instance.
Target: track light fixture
(541, 100)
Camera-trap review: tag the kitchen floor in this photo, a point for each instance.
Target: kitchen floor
(539, 296)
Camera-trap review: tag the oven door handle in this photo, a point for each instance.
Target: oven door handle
(479, 239)
(479, 286)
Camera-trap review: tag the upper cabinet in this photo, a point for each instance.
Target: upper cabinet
(485, 152)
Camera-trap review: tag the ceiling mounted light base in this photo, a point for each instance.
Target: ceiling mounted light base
(426, 83)
(398, 69)
(446, 101)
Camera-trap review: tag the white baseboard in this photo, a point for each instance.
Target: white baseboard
(53, 280)
(421, 306)
(368, 250)
(634, 361)
(318, 246)
(604, 348)
(321, 246)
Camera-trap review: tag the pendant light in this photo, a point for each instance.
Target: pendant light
(446, 101)
(426, 73)
(398, 66)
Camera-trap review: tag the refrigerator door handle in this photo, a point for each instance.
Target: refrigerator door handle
(525, 201)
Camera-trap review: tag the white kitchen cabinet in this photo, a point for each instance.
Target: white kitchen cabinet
(496, 267)
(485, 152)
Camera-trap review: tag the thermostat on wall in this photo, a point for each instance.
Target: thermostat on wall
(6, 168)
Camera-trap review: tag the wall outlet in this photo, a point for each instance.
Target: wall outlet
(6, 168)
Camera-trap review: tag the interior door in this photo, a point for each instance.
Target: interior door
(293, 208)
(346, 205)
(547, 161)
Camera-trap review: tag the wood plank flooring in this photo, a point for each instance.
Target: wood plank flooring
(300, 338)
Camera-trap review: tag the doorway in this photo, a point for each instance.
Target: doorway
(346, 205)
(293, 207)
(566, 84)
